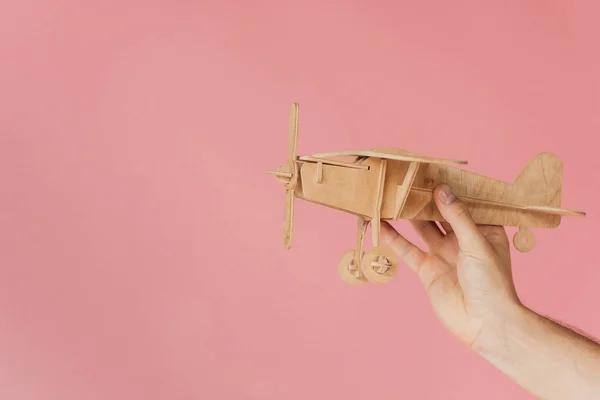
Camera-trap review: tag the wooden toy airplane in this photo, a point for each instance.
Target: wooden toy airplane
(392, 184)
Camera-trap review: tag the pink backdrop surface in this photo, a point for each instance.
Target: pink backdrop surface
(141, 247)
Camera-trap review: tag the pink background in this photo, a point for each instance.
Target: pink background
(141, 247)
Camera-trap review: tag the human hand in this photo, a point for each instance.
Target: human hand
(467, 276)
(466, 273)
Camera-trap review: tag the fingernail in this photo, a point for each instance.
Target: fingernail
(446, 195)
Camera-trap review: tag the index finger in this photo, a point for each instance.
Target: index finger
(405, 250)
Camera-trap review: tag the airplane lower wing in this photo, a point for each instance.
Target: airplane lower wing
(555, 211)
(541, 209)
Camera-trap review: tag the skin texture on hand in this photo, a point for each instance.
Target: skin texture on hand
(467, 271)
(468, 278)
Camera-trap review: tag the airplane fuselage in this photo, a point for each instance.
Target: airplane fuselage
(408, 191)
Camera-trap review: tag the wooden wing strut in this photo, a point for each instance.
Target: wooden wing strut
(404, 189)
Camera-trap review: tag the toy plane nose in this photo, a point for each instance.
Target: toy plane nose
(280, 174)
(283, 174)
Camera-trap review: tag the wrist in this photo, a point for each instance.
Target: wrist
(501, 327)
(545, 358)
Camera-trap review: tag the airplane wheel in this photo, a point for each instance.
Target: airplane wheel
(350, 271)
(524, 240)
(379, 264)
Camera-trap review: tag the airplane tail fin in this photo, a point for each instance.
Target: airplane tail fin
(540, 183)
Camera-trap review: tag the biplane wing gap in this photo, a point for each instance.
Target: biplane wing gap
(327, 161)
(391, 154)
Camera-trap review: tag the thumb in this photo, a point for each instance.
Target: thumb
(457, 214)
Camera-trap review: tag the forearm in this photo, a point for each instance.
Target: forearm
(547, 359)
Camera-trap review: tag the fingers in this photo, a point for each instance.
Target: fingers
(405, 250)
(428, 231)
(456, 213)
(496, 235)
(438, 278)
(447, 227)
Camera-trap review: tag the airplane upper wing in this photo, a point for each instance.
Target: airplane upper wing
(392, 154)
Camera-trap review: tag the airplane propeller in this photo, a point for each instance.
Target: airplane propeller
(288, 174)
